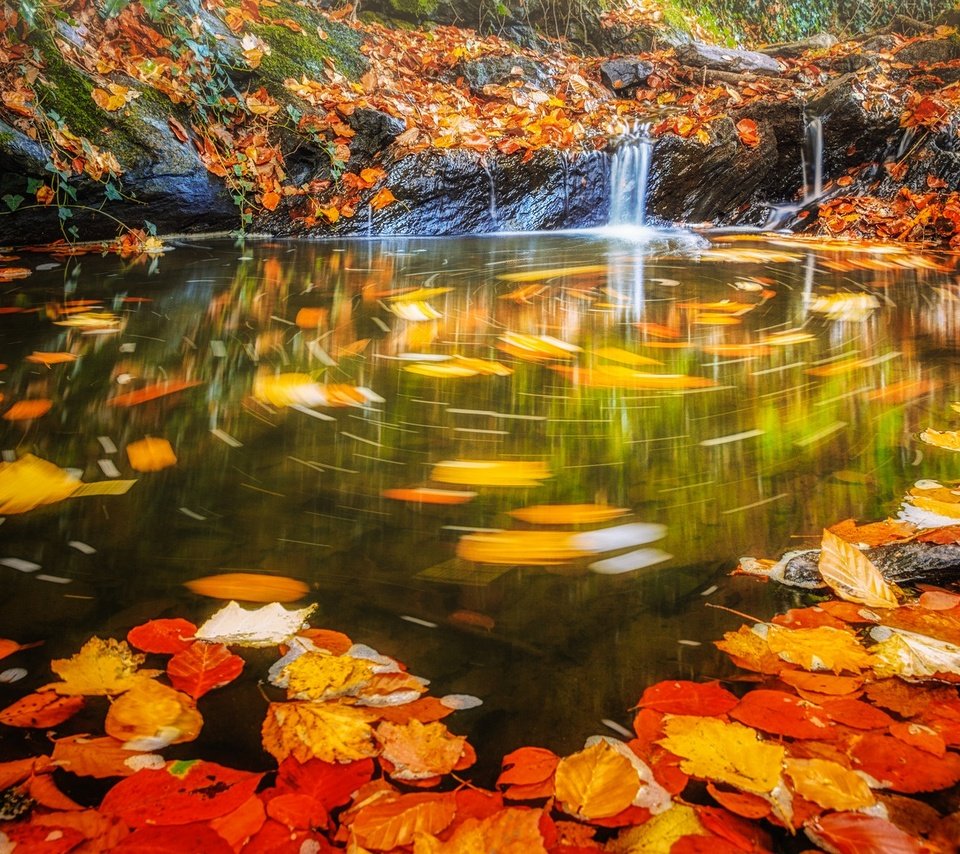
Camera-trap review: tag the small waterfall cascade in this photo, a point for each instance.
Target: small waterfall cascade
(812, 156)
(492, 208)
(629, 173)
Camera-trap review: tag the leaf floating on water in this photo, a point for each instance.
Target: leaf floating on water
(856, 832)
(537, 347)
(26, 410)
(913, 656)
(426, 495)
(552, 273)
(419, 294)
(151, 455)
(49, 359)
(100, 667)
(849, 572)
(419, 751)
(850, 307)
(329, 731)
(266, 626)
(249, 587)
(162, 636)
(415, 311)
(724, 752)
(617, 354)
(949, 439)
(99, 757)
(568, 514)
(491, 472)
(596, 782)
(151, 392)
(202, 667)
(153, 716)
(616, 376)
(530, 548)
(302, 390)
(93, 320)
(829, 784)
(31, 482)
(41, 709)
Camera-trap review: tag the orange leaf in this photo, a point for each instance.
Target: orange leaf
(97, 757)
(419, 751)
(151, 454)
(24, 410)
(382, 198)
(151, 392)
(202, 667)
(387, 825)
(41, 709)
(271, 200)
(747, 131)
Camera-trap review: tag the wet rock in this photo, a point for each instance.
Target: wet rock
(374, 129)
(500, 70)
(455, 192)
(791, 50)
(694, 182)
(698, 55)
(622, 75)
(901, 563)
(930, 51)
(851, 134)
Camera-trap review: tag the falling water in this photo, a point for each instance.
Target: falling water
(813, 159)
(492, 204)
(629, 171)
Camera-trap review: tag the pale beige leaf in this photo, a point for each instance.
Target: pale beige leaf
(912, 656)
(851, 575)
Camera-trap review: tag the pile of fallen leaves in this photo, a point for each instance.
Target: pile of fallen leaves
(930, 218)
(852, 709)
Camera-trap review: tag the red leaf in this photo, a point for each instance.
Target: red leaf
(747, 131)
(195, 838)
(782, 714)
(698, 844)
(688, 698)
(742, 803)
(42, 709)
(276, 838)
(528, 773)
(162, 636)
(857, 714)
(202, 667)
(297, 811)
(332, 785)
(181, 793)
(856, 833)
(37, 839)
(920, 736)
(902, 767)
(734, 829)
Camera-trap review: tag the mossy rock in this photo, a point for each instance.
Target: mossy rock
(294, 54)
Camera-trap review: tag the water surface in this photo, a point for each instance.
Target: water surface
(802, 411)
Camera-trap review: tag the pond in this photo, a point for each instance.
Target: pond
(729, 394)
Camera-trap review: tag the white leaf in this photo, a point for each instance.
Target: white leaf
(911, 655)
(267, 626)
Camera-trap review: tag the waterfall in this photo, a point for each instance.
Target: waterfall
(812, 157)
(629, 171)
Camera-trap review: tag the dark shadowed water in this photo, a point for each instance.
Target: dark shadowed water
(813, 370)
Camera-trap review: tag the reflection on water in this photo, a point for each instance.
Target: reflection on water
(403, 424)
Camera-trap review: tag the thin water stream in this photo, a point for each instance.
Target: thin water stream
(701, 387)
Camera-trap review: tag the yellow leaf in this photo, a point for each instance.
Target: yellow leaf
(151, 455)
(616, 354)
(327, 731)
(724, 752)
(568, 514)
(30, 482)
(101, 667)
(949, 439)
(491, 472)
(520, 547)
(419, 294)
(249, 587)
(750, 651)
(829, 784)
(114, 97)
(419, 751)
(658, 835)
(596, 782)
(319, 676)
(552, 273)
(851, 575)
(822, 648)
(153, 715)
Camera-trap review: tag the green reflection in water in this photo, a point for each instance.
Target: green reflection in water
(791, 436)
